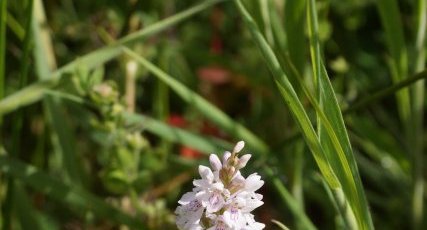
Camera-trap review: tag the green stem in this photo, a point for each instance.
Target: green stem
(385, 92)
(3, 16)
(292, 203)
(416, 141)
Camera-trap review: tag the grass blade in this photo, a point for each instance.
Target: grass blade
(25, 211)
(3, 14)
(280, 225)
(100, 56)
(291, 99)
(161, 129)
(391, 20)
(295, 20)
(293, 204)
(45, 63)
(26, 96)
(417, 91)
(386, 92)
(342, 161)
(341, 206)
(78, 199)
(206, 108)
(109, 52)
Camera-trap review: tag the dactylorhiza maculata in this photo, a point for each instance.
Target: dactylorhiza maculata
(222, 199)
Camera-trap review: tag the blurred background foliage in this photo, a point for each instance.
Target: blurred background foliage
(105, 148)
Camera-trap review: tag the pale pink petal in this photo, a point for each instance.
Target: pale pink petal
(215, 162)
(243, 160)
(206, 173)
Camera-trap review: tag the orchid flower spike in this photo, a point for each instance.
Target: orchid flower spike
(222, 199)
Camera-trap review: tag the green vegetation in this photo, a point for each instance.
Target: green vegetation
(108, 107)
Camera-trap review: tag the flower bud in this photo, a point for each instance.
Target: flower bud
(225, 157)
(215, 162)
(239, 146)
(243, 161)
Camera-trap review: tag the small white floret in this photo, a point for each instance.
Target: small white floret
(239, 146)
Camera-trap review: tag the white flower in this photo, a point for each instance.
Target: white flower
(213, 197)
(189, 213)
(252, 224)
(219, 224)
(222, 198)
(253, 182)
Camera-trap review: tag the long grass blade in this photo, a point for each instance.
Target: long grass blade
(342, 161)
(341, 207)
(291, 99)
(293, 204)
(417, 91)
(161, 129)
(280, 225)
(383, 93)
(203, 106)
(45, 63)
(103, 55)
(27, 216)
(26, 96)
(3, 14)
(294, 20)
(391, 20)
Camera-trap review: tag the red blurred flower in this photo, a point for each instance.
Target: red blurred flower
(190, 153)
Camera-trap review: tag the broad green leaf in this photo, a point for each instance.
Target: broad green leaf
(203, 106)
